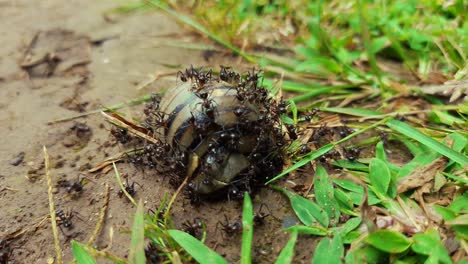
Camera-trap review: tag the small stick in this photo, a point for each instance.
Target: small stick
(102, 217)
(53, 218)
(132, 128)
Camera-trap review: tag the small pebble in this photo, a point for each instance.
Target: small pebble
(18, 159)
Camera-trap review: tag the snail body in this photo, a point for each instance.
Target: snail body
(221, 132)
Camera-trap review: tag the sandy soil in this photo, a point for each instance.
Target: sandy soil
(58, 59)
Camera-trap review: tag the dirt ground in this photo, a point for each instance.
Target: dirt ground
(58, 59)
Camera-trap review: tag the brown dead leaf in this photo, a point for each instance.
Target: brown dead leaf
(454, 89)
(420, 177)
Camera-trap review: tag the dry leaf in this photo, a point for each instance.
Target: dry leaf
(455, 89)
(421, 176)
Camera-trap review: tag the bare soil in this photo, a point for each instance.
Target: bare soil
(61, 59)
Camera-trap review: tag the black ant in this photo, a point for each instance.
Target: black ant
(352, 153)
(64, 219)
(227, 75)
(344, 131)
(291, 131)
(195, 228)
(304, 149)
(308, 117)
(259, 217)
(71, 186)
(230, 228)
(190, 73)
(129, 188)
(151, 253)
(120, 134)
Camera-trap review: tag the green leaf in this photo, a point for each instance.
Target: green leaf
(196, 249)
(308, 230)
(137, 245)
(247, 230)
(350, 165)
(350, 225)
(460, 203)
(380, 154)
(379, 176)
(427, 141)
(349, 185)
(324, 194)
(293, 108)
(443, 117)
(351, 237)
(366, 255)
(286, 255)
(459, 141)
(388, 241)
(306, 210)
(429, 244)
(343, 199)
(329, 251)
(419, 161)
(446, 213)
(377, 44)
(81, 255)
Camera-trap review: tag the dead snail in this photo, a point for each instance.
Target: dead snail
(224, 132)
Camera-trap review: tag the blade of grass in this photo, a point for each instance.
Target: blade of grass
(119, 181)
(81, 255)
(367, 43)
(137, 245)
(351, 111)
(199, 28)
(427, 141)
(321, 151)
(247, 230)
(196, 249)
(286, 255)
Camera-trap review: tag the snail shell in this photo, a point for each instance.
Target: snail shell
(228, 138)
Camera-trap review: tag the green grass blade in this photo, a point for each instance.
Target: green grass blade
(324, 149)
(427, 141)
(247, 230)
(137, 245)
(196, 249)
(286, 255)
(351, 111)
(199, 28)
(308, 230)
(308, 158)
(81, 255)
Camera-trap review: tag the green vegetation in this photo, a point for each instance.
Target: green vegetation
(354, 59)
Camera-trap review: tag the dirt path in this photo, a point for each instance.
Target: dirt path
(78, 59)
